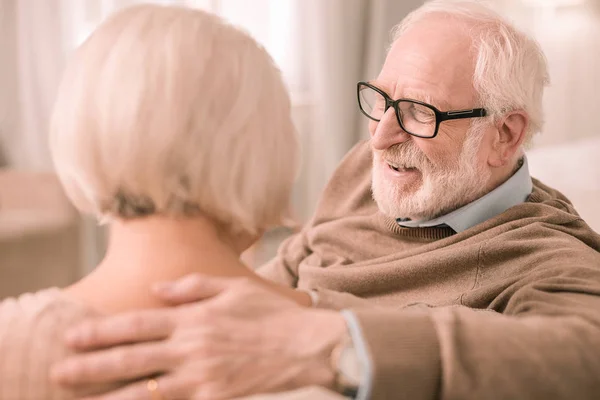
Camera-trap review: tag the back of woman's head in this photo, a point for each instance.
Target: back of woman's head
(172, 111)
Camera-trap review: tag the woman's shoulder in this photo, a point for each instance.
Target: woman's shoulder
(33, 303)
(45, 310)
(32, 327)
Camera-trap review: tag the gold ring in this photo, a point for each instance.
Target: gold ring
(152, 386)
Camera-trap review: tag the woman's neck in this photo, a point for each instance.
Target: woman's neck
(144, 251)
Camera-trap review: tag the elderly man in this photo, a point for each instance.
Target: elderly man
(436, 266)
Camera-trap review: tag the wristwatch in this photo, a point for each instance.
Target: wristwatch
(347, 367)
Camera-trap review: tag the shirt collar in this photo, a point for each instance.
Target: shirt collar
(512, 192)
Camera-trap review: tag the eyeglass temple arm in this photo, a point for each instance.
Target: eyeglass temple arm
(459, 114)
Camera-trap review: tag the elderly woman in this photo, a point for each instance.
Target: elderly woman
(173, 127)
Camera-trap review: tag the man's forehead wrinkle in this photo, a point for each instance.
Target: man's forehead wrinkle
(385, 83)
(437, 78)
(436, 100)
(417, 68)
(396, 90)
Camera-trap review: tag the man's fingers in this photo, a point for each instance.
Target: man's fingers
(163, 387)
(114, 365)
(133, 327)
(191, 288)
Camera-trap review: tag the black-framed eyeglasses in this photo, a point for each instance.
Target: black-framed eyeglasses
(416, 118)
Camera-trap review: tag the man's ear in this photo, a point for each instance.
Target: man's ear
(511, 132)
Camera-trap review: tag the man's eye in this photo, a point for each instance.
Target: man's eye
(422, 114)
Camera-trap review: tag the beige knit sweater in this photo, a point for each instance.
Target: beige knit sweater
(31, 339)
(508, 309)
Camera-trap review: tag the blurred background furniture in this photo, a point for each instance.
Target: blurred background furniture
(39, 233)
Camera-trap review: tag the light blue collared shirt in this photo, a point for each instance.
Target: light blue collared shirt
(512, 192)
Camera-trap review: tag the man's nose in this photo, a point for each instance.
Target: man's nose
(388, 131)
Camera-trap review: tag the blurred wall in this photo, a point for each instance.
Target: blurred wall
(569, 34)
(8, 81)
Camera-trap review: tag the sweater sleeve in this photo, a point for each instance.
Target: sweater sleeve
(544, 343)
(283, 269)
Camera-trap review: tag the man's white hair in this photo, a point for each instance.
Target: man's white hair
(510, 67)
(168, 110)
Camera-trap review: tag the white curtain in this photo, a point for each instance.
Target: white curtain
(32, 60)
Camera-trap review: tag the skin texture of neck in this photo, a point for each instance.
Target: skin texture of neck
(145, 251)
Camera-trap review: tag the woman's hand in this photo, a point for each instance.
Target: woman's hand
(241, 339)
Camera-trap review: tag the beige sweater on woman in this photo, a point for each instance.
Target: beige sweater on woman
(32, 329)
(507, 309)
(31, 339)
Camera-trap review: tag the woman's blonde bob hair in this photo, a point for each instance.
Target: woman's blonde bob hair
(168, 110)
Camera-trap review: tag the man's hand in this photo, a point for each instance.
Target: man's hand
(241, 339)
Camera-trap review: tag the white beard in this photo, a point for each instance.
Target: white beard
(442, 189)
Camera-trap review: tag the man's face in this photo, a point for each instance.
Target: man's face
(423, 178)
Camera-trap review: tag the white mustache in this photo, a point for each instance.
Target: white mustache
(406, 155)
